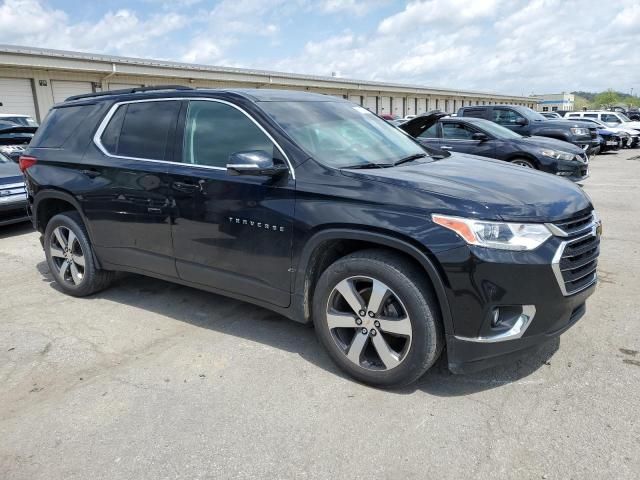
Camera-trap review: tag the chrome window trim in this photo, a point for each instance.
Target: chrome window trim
(97, 137)
(555, 265)
(515, 332)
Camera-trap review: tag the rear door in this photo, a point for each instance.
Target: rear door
(126, 200)
(232, 233)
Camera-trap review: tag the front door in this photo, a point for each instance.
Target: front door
(233, 233)
(510, 119)
(458, 137)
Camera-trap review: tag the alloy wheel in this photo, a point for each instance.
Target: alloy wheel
(67, 255)
(522, 163)
(369, 323)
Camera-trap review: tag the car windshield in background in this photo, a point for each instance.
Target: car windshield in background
(22, 121)
(623, 117)
(498, 131)
(533, 115)
(342, 135)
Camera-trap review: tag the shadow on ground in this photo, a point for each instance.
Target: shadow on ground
(15, 229)
(243, 320)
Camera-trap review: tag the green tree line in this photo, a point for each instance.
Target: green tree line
(606, 99)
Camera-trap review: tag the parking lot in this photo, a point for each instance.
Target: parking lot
(153, 380)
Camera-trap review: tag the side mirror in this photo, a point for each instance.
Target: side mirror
(522, 121)
(254, 162)
(479, 136)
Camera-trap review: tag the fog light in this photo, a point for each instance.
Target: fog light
(564, 174)
(496, 318)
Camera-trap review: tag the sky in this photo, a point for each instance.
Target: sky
(504, 46)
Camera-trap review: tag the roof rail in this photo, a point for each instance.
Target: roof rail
(128, 90)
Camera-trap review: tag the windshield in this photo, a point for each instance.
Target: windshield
(342, 134)
(533, 115)
(623, 117)
(23, 121)
(497, 131)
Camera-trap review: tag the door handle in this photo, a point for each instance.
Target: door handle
(186, 187)
(91, 173)
(446, 147)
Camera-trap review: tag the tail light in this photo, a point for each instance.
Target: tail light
(25, 162)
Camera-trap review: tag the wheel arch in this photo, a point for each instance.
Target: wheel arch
(524, 156)
(326, 246)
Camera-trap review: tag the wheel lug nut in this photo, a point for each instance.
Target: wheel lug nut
(364, 331)
(362, 313)
(371, 314)
(373, 332)
(377, 324)
(358, 321)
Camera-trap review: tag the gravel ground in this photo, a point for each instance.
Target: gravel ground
(150, 380)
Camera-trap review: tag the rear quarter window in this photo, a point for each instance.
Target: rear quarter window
(474, 112)
(59, 125)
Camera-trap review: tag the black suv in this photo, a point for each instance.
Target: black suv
(528, 122)
(315, 208)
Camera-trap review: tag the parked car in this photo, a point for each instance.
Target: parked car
(13, 198)
(388, 116)
(14, 138)
(528, 122)
(488, 139)
(319, 210)
(630, 137)
(551, 115)
(609, 140)
(612, 119)
(633, 114)
(18, 119)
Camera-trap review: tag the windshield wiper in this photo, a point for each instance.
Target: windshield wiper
(369, 165)
(410, 158)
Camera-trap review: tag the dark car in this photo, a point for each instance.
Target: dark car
(13, 198)
(317, 209)
(629, 137)
(528, 122)
(487, 139)
(14, 138)
(633, 113)
(609, 141)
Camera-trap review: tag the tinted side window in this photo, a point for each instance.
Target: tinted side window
(456, 131)
(431, 132)
(607, 117)
(59, 125)
(473, 112)
(591, 115)
(215, 130)
(141, 130)
(503, 116)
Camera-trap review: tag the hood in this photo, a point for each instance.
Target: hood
(633, 125)
(486, 189)
(571, 122)
(419, 124)
(546, 142)
(10, 173)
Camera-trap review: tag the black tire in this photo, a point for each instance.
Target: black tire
(523, 162)
(404, 280)
(92, 279)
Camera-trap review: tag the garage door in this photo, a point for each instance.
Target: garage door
(62, 89)
(16, 96)
(398, 106)
(371, 104)
(422, 105)
(120, 86)
(355, 99)
(385, 105)
(411, 106)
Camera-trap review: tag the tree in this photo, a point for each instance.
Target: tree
(606, 99)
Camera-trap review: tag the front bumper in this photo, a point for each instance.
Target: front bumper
(482, 281)
(13, 203)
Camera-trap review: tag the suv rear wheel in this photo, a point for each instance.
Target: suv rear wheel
(377, 318)
(70, 257)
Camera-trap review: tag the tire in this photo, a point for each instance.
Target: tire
(73, 266)
(523, 162)
(408, 321)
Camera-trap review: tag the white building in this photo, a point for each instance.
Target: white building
(552, 102)
(33, 79)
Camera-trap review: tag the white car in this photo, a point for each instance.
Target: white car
(17, 118)
(612, 119)
(634, 135)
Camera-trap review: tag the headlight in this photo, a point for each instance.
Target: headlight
(556, 154)
(500, 235)
(580, 131)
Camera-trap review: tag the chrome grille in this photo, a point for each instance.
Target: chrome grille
(576, 261)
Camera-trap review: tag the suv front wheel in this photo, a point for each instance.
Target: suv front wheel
(377, 318)
(70, 257)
